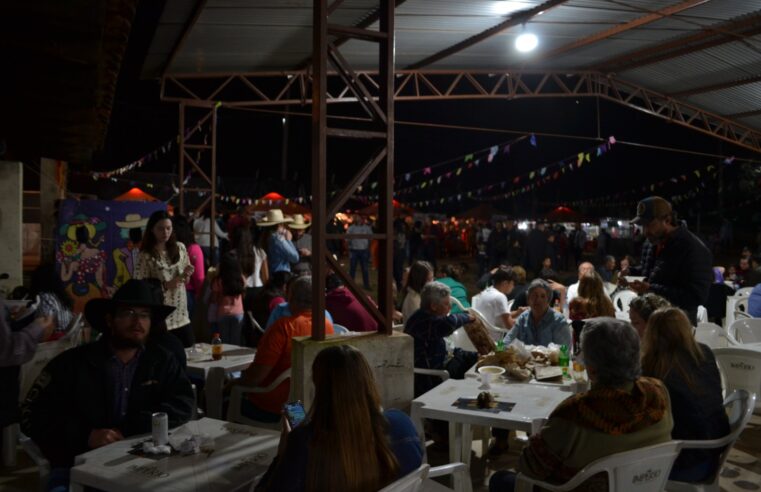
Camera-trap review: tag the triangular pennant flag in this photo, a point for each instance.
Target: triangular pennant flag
(612, 140)
(580, 158)
(531, 175)
(506, 150)
(426, 171)
(542, 171)
(468, 157)
(459, 171)
(588, 157)
(532, 140)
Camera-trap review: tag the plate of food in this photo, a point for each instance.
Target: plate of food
(633, 278)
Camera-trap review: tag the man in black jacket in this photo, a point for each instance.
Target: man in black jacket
(682, 270)
(102, 392)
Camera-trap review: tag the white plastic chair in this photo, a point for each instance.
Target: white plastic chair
(742, 404)
(461, 340)
(46, 352)
(714, 336)
(236, 398)
(644, 470)
(622, 299)
(747, 330)
(744, 292)
(740, 370)
(702, 314)
(339, 329)
(410, 482)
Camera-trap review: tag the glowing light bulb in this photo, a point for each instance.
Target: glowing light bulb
(526, 42)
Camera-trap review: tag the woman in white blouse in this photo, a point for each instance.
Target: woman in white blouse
(165, 259)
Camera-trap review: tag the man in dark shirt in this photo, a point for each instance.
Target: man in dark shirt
(100, 393)
(682, 271)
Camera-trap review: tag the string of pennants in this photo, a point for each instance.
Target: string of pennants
(160, 151)
(709, 170)
(530, 180)
(467, 162)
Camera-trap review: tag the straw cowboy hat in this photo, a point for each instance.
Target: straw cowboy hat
(133, 293)
(131, 221)
(274, 217)
(298, 222)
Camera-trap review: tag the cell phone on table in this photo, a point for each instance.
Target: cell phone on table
(295, 413)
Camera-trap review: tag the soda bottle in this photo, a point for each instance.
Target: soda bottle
(500, 346)
(563, 360)
(216, 347)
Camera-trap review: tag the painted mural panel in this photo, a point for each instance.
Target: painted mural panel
(95, 251)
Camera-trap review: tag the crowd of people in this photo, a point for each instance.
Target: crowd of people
(647, 375)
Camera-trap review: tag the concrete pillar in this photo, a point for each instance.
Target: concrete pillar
(390, 357)
(11, 207)
(52, 188)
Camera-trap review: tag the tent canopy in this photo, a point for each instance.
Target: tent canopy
(276, 200)
(136, 195)
(563, 214)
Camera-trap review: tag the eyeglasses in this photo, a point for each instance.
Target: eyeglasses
(132, 314)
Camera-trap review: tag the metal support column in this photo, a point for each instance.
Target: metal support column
(381, 130)
(204, 164)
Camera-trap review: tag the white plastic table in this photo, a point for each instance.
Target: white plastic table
(234, 358)
(242, 454)
(534, 403)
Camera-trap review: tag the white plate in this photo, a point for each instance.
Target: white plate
(630, 278)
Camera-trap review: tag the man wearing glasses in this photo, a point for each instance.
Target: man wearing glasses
(99, 393)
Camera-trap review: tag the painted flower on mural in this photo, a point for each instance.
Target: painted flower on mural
(69, 248)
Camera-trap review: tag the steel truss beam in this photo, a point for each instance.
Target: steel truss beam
(376, 97)
(272, 89)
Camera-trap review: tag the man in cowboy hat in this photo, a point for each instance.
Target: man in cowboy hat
(303, 242)
(280, 249)
(99, 393)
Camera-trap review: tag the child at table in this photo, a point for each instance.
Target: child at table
(227, 293)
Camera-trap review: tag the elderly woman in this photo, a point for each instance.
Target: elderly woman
(428, 326)
(540, 325)
(642, 307)
(621, 411)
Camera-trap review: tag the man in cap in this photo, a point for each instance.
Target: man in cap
(99, 393)
(681, 270)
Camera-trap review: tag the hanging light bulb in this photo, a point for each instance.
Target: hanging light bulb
(526, 42)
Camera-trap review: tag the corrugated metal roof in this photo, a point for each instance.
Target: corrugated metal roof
(247, 35)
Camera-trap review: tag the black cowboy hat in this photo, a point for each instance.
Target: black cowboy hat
(134, 292)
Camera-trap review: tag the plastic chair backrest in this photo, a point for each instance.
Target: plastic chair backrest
(457, 303)
(46, 352)
(702, 314)
(742, 305)
(747, 330)
(461, 340)
(412, 482)
(340, 330)
(714, 336)
(253, 322)
(622, 299)
(644, 470)
(744, 292)
(740, 369)
(741, 404)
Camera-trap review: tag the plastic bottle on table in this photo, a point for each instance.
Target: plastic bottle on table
(216, 347)
(563, 360)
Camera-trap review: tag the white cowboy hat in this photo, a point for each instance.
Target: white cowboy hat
(298, 222)
(273, 217)
(131, 221)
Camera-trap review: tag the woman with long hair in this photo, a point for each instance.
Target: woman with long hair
(194, 286)
(228, 288)
(164, 258)
(421, 272)
(688, 369)
(368, 447)
(253, 260)
(597, 302)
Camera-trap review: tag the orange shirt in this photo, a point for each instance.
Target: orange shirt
(274, 350)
